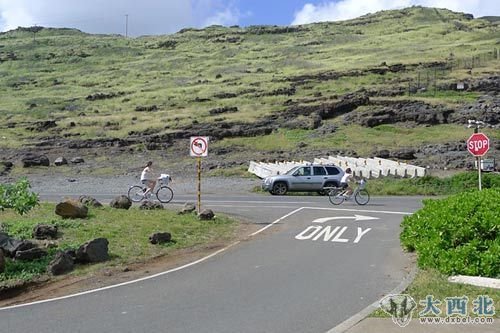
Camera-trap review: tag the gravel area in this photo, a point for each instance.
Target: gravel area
(117, 185)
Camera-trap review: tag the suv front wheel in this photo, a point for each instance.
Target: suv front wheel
(279, 188)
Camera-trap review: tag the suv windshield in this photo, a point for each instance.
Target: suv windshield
(292, 170)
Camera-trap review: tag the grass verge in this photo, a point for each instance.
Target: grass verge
(127, 231)
(430, 185)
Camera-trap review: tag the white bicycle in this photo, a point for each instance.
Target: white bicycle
(164, 193)
(360, 194)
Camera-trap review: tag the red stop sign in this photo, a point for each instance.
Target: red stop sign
(478, 144)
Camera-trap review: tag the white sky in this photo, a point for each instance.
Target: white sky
(347, 9)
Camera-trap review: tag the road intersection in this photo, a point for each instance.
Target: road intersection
(308, 268)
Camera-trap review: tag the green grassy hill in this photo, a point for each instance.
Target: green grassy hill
(156, 89)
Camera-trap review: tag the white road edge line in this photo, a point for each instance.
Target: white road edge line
(150, 276)
(359, 210)
(123, 283)
(361, 315)
(249, 206)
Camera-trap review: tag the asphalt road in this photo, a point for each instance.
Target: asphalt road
(312, 266)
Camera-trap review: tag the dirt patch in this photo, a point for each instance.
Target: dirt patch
(47, 288)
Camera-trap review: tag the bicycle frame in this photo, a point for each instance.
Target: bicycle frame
(337, 195)
(161, 190)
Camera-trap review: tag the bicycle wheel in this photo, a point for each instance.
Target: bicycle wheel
(136, 193)
(336, 197)
(165, 194)
(362, 197)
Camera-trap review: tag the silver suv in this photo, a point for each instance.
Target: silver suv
(303, 178)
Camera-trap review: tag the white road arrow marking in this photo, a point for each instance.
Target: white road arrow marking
(355, 217)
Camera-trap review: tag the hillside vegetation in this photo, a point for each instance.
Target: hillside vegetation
(278, 91)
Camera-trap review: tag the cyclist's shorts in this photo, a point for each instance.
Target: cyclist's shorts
(344, 185)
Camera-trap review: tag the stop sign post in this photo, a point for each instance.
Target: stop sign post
(478, 145)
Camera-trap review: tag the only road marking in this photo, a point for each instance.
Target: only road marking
(316, 232)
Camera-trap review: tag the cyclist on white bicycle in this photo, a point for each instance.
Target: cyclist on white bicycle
(344, 182)
(148, 179)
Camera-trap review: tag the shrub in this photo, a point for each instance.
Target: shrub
(18, 196)
(457, 235)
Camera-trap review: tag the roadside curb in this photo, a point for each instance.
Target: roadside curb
(355, 319)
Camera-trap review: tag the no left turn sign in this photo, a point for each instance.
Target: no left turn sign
(199, 146)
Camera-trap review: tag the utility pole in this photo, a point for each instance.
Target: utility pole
(126, 25)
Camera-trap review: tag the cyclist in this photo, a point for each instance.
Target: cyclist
(344, 182)
(148, 179)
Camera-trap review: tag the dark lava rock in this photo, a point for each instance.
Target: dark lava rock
(71, 209)
(89, 201)
(93, 251)
(160, 238)
(30, 254)
(45, 231)
(206, 214)
(30, 160)
(121, 202)
(61, 264)
(150, 205)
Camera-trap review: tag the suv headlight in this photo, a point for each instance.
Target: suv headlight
(267, 181)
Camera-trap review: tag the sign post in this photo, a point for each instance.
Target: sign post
(478, 145)
(198, 148)
(199, 185)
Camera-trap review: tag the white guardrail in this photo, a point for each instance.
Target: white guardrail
(362, 167)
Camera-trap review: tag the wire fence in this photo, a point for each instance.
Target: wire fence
(435, 77)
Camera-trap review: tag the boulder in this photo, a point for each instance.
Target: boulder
(121, 202)
(71, 209)
(89, 201)
(60, 161)
(206, 214)
(77, 160)
(93, 251)
(45, 231)
(30, 254)
(160, 237)
(30, 160)
(149, 205)
(61, 264)
(188, 208)
(2, 261)
(10, 245)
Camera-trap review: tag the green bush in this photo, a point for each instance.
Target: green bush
(457, 235)
(18, 196)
